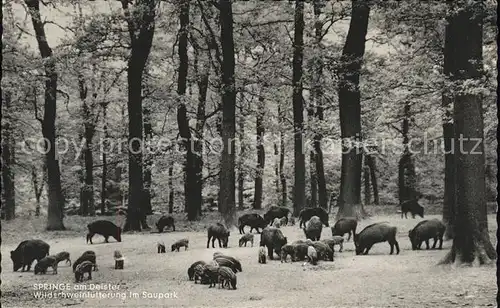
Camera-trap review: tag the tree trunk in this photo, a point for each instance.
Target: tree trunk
(261, 155)
(370, 159)
(241, 174)
(8, 161)
(406, 173)
(350, 111)
(170, 188)
(56, 200)
(298, 110)
(202, 77)
(87, 191)
(191, 196)
(148, 162)
(318, 97)
(276, 167)
(227, 174)
(471, 240)
(104, 159)
(141, 28)
(366, 178)
(284, 189)
(313, 179)
(448, 139)
(37, 187)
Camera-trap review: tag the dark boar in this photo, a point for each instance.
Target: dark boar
(88, 255)
(273, 239)
(42, 265)
(335, 240)
(191, 269)
(165, 222)
(246, 238)
(63, 255)
(27, 252)
(180, 243)
(105, 228)
(324, 252)
(219, 232)
(254, 221)
(345, 225)
(230, 262)
(313, 228)
(287, 250)
(276, 212)
(375, 233)
(424, 231)
(227, 277)
(306, 214)
(413, 207)
(82, 268)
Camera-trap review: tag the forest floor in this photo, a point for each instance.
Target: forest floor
(410, 279)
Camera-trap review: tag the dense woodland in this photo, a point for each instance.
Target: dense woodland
(330, 103)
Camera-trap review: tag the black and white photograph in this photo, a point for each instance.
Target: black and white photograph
(230, 153)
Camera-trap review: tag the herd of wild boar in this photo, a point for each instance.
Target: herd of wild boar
(223, 268)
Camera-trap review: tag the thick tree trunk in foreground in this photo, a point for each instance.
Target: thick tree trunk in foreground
(471, 240)
(87, 189)
(192, 202)
(202, 77)
(261, 155)
(298, 110)
(141, 28)
(227, 174)
(8, 181)
(448, 139)
(55, 196)
(350, 111)
(318, 97)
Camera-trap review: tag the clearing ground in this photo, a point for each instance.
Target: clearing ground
(410, 279)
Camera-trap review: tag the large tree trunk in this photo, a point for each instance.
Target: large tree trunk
(227, 174)
(202, 77)
(284, 189)
(141, 27)
(261, 155)
(241, 174)
(8, 181)
(448, 135)
(87, 190)
(148, 162)
(56, 200)
(298, 110)
(318, 97)
(350, 111)
(191, 191)
(471, 240)
(406, 166)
